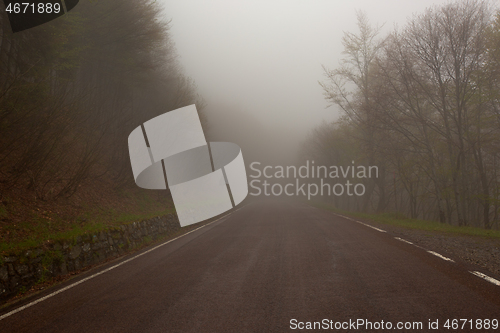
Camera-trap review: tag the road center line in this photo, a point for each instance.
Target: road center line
(8, 314)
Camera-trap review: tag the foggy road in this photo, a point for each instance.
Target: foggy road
(268, 267)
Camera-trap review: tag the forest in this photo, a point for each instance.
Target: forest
(72, 90)
(422, 104)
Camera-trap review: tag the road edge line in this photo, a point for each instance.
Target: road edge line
(8, 314)
(440, 256)
(476, 273)
(486, 277)
(365, 224)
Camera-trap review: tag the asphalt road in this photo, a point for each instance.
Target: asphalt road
(261, 267)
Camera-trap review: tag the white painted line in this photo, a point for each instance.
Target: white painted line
(486, 277)
(370, 226)
(440, 256)
(104, 271)
(367, 225)
(403, 240)
(348, 218)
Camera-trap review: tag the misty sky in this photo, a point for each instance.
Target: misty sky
(266, 56)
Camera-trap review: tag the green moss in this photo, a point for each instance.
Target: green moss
(41, 280)
(51, 257)
(22, 290)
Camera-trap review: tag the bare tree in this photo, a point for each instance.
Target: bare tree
(351, 87)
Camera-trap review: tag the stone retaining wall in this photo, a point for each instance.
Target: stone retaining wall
(21, 272)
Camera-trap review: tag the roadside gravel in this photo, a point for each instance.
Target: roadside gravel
(476, 250)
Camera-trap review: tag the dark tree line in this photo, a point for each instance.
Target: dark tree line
(422, 104)
(72, 90)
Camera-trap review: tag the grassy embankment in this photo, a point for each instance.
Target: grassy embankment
(25, 224)
(399, 220)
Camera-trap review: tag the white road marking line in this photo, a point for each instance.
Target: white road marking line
(404, 240)
(400, 239)
(486, 277)
(8, 314)
(367, 225)
(440, 256)
(479, 274)
(345, 217)
(370, 226)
